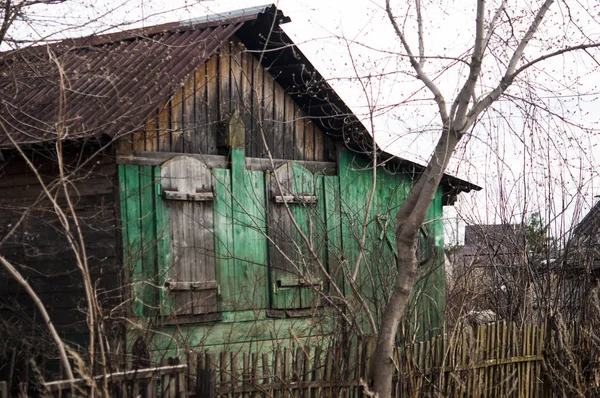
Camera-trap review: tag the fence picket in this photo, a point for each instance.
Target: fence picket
(495, 360)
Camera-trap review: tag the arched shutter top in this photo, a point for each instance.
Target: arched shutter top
(292, 183)
(186, 178)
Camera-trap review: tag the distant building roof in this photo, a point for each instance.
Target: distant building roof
(493, 239)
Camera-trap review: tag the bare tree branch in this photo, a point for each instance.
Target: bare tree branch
(421, 75)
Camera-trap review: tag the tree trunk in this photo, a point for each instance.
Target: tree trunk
(409, 219)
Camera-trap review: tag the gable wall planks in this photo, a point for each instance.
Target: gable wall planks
(190, 121)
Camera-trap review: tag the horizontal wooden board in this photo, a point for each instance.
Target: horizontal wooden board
(144, 158)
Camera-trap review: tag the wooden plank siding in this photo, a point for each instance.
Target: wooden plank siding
(191, 226)
(297, 236)
(191, 121)
(377, 270)
(271, 237)
(39, 247)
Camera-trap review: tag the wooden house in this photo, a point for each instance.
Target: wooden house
(577, 269)
(214, 184)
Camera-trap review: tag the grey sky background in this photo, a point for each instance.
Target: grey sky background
(526, 164)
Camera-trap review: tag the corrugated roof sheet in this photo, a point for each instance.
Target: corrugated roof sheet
(110, 84)
(105, 84)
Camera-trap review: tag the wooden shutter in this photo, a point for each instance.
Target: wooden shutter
(187, 190)
(295, 271)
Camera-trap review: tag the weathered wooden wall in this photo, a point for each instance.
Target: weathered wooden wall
(265, 266)
(39, 247)
(377, 268)
(192, 120)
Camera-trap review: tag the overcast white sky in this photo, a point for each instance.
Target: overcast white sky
(524, 167)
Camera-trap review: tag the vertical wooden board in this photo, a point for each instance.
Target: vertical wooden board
(277, 148)
(289, 126)
(204, 142)
(309, 139)
(177, 123)
(320, 143)
(284, 256)
(250, 244)
(316, 234)
(306, 219)
(257, 107)
(139, 140)
(204, 247)
(225, 82)
(236, 77)
(349, 216)
(246, 108)
(223, 227)
(356, 196)
(164, 127)
(334, 230)
(209, 255)
(190, 268)
(148, 244)
(348, 185)
(128, 251)
(433, 301)
(190, 138)
(267, 124)
(179, 270)
(299, 138)
(152, 132)
(189, 241)
(212, 96)
(163, 247)
(384, 242)
(363, 192)
(130, 184)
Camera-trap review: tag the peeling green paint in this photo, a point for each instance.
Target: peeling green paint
(333, 223)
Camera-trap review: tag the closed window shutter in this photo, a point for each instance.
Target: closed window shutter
(296, 230)
(187, 192)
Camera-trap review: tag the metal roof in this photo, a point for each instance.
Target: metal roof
(105, 84)
(109, 84)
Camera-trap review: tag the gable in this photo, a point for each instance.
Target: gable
(193, 119)
(80, 90)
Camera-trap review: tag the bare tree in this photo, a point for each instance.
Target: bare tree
(457, 118)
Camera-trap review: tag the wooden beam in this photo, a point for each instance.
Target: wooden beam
(135, 374)
(191, 196)
(307, 199)
(299, 282)
(236, 131)
(144, 158)
(177, 286)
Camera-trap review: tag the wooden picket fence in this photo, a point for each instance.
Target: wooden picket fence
(495, 360)
(167, 381)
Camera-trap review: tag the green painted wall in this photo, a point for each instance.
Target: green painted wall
(250, 302)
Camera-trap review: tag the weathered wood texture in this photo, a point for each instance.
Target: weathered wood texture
(495, 360)
(192, 121)
(377, 272)
(165, 381)
(192, 233)
(297, 236)
(39, 247)
(266, 239)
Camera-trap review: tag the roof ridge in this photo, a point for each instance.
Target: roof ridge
(203, 22)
